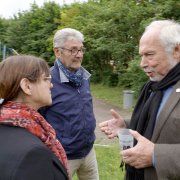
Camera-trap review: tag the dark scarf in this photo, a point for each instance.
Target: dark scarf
(74, 77)
(21, 115)
(145, 112)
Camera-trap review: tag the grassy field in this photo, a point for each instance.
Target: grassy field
(108, 157)
(108, 163)
(112, 95)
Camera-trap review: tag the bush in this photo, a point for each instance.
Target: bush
(113, 80)
(96, 78)
(134, 77)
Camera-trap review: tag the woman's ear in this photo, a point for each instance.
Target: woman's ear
(25, 86)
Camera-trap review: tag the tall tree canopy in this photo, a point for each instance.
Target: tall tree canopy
(112, 29)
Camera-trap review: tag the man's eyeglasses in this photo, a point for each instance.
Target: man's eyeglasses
(74, 51)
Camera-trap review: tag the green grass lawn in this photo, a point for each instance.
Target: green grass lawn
(108, 159)
(108, 163)
(112, 95)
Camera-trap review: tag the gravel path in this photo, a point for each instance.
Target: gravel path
(102, 113)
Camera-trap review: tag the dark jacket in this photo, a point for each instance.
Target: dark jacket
(166, 137)
(23, 156)
(71, 115)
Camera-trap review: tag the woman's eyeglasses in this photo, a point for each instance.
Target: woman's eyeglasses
(48, 78)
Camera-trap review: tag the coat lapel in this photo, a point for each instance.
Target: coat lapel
(166, 110)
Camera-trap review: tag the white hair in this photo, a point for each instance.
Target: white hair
(61, 36)
(169, 33)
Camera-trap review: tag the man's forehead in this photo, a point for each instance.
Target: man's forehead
(73, 43)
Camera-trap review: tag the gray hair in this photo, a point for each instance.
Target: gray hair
(61, 36)
(169, 33)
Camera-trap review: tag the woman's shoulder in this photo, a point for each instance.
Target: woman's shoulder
(22, 154)
(18, 139)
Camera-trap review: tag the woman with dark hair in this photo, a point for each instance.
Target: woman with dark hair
(29, 148)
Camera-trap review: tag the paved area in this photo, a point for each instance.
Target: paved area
(102, 113)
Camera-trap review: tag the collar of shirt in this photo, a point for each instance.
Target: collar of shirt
(63, 78)
(166, 94)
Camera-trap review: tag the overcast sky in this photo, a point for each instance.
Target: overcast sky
(10, 7)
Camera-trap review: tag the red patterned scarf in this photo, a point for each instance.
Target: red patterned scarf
(21, 115)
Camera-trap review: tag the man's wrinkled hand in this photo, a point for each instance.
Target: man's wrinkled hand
(112, 126)
(140, 156)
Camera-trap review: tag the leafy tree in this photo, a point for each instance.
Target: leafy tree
(112, 29)
(30, 31)
(3, 27)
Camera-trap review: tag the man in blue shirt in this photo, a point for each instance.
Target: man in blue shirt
(155, 121)
(71, 113)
